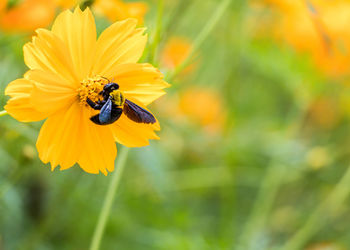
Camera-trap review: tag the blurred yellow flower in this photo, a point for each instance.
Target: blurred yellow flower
(203, 106)
(29, 151)
(67, 4)
(67, 65)
(117, 10)
(27, 15)
(3, 4)
(318, 157)
(175, 52)
(319, 28)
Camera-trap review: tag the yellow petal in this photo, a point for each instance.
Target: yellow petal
(132, 134)
(19, 105)
(120, 43)
(142, 82)
(98, 147)
(60, 138)
(51, 93)
(48, 53)
(78, 32)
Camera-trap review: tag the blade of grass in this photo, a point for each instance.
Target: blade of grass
(201, 37)
(3, 113)
(262, 206)
(109, 198)
(158, 30)
(317, 219)
(271, 183)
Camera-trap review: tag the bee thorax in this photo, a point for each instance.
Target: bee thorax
(117, 98)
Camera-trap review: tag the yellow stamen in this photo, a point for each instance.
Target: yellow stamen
(90, 88)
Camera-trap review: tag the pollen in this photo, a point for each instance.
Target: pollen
(118, 98)
(90, 88)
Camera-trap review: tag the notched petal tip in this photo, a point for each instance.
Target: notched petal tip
(53, 167)
(77, 9)
(104, 171)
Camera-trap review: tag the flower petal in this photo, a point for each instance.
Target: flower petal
(78, 32)
(98, 147)
(51, 93)
(120, 43)
(48, 53)
(60, 138)
(19, 106)
(132, 134)
(142, 82)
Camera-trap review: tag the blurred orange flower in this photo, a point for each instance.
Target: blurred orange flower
(203, 106)
(324, 112)
(319, 28)
(117, 10)
(175, 52)
(326, 246)
(28, 15)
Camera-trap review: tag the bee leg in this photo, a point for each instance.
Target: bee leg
(94, 105)
(103, 102)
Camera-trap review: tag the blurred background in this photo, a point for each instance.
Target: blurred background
(255, 140)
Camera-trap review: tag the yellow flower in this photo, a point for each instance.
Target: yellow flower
(67, 65)
(3, 4)
(117, 10)
(318, 157)
(67, 4)
(28, 15)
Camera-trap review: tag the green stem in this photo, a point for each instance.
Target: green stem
(317, 219)
(262, 206)
(158, 29)
(272, 181)
(201, 37)
(109, 198)
(3, 113)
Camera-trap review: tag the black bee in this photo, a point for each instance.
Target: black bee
(114, 104)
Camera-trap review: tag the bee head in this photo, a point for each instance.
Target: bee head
(109, 87)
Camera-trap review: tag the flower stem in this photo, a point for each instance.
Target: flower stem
(158, 29)
(3, 113)
(273, 179)
(202, 36)
(317, 219)
(109, 198)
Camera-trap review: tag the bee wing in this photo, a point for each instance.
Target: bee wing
(105, 113)
(137, 114)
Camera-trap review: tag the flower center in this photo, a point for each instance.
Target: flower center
(90, 88)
